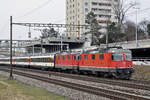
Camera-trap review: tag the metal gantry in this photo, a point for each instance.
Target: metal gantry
(50, 25)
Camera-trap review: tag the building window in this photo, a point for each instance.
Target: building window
(104, 4)
(86, 3)
(94, 3)
(105, 16)
(86, 10)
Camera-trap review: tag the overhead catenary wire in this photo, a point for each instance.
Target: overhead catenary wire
(35, 9)
(141, 11)
(60, 20)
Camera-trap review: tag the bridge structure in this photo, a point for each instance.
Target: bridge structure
(132, 44)
(140, 51)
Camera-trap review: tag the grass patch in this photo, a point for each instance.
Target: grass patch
(141, 72)
(14, 90)
(2, 86)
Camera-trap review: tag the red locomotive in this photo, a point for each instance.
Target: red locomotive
(107, 62)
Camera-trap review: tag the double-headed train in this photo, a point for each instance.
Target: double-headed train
(107, 62)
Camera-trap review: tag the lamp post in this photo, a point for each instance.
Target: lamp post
(136, 25)
(61, 43)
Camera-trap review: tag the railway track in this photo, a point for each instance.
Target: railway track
(111, 94)
(134, 84)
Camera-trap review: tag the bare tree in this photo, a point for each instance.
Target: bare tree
(130, 29)
(148, 29)
(143, 26)
(121, 8)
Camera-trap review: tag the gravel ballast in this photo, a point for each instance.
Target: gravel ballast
(71, 94)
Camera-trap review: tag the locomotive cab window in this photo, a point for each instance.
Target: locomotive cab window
(101, 56)
(117, 57)
(128, 57)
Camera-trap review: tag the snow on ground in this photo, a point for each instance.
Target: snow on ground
(141, 63)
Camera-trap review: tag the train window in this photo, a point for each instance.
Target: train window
(128, 57)
(93, 57)
(58, 57)
(101, 56)
(40, 60)
(117, 57)
(63, 57)
(68, 57)
(45, 59)
(75, 58)
(80, 57)
(48, 59)
(85, 57)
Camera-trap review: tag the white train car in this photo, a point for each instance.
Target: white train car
(42, 61)
(30, 61)
(4, 61)
(21, 61)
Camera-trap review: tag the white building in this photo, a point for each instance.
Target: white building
(76, 11)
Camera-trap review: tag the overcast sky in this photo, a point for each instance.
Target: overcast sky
(46, 11)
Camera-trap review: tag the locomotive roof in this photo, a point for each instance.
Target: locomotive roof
(69, 52)
(110, 50)
(119, 50)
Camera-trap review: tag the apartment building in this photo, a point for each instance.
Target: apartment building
(76, 11)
